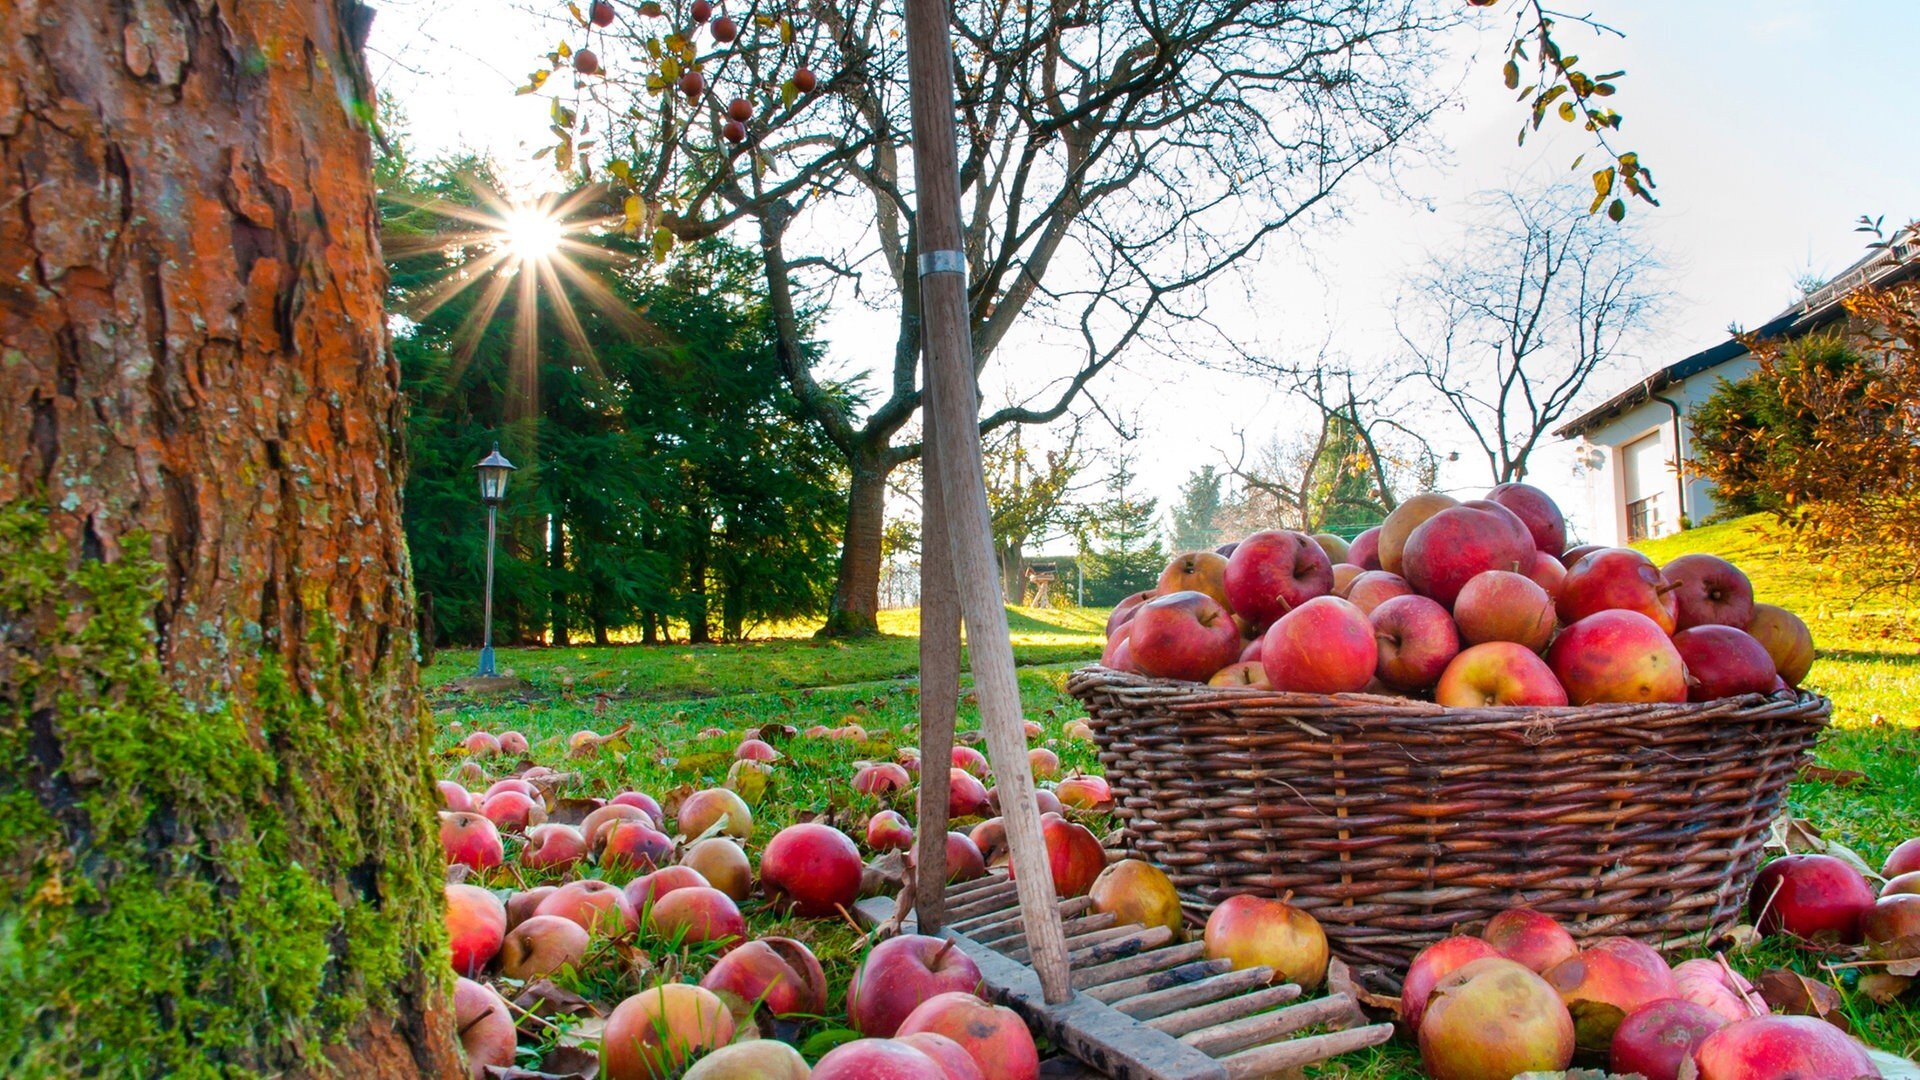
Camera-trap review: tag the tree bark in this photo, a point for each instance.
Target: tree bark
(218, 830)
(557, 565)
(856, 592)
(1013, 566)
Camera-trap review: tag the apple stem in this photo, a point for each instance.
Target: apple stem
(942, 954)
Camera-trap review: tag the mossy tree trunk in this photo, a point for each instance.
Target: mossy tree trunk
(216, 827)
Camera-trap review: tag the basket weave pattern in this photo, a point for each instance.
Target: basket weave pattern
(1397, 822)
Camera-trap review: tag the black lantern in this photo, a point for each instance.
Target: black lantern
(493, 470)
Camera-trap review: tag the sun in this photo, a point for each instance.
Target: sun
(531, 233)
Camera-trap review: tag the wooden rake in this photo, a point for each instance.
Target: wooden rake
(1124, 1000)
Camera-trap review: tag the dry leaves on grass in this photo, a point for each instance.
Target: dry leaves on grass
(559, 1063)
(1796, 995)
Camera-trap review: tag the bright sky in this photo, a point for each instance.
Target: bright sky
(1771, 126)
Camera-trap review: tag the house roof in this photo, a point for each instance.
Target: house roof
(1898, 261)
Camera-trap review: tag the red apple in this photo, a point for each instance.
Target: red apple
(1074, 855)
(756, 1059)
(1416, 641)
(484, 1026)
(1364, 552)
(1137, 892)
(455, 797)
(1432, 964)
(542, 945)
(1110, 654)
(975, 762)
(1498, 673)
(1448, 549)
(990, 837)
(641, 801)
(1500, 605)
(1537, 511)
(1183, 635)
(965, 861)
(1244, 673)
(1125, 610)
(954, 1061)
(697, 915)
(645, 890)
(1781, 1046)
(1903, 859)
(1123, 655)
(755, 750)
(900, 973)
(780, 971)
(995, 1037)
(1195, 571)
(598, 906)
(602, 12)
(653, 1034)
(1401, 522)
(803, 79)
(1908, 882)
(476, 923)
(512, 742)
(881, 779)
(877, 1059)
(1272, 573)
(470, 839)
(1703, 970)
(585, 62)
(1657, 1038)
(633, 845)
(1604, 982)
(1255, 931)
(1575, 554)
(1619, 579)
(481, 744)
(1043, 763)
(553, 847)
(1710, 591)
(723, 864)
(1250, 652)
(1723, 662)
(1891, 928)
(889, 830)
(1786, 639)
(693, 84)
(966, 795)
(1084, 793)
(510, 783)
(521, 905)
(1810, 896)
(1547, 572)
(512, 811)
(740, 109)
(812, 868)
(1324, 646)
(1493, 1017)
(702, 810)
(1376, 587)
(605, 817)
(1617, 656)
(1529, 937)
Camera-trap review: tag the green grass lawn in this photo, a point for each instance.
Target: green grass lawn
(1869, 664)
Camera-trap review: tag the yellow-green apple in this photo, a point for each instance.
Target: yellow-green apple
(777, 970)
(1709, 590)
(598, 906)
(1183, 635)
(641, 800)
(975, 762)
(1084, 792)
(1401, 522)
(1364, 552)
(513, 811)
(702, 810)
(966, 795)
(1334, 546)
(901, 972)
(1126, 609)
(1616, 579)
(470, 839)
(653, 1034)
(1500, 605)
(481, 743)
(521, 905)
(1376, 587)
(812, 868)
(990, 836)
(1723, 662)
(994, 1036)
(633, 845)
(1546, 526)
(755, 1059)
(1903, 859)
(1256, 931)
(1781, 1046)
(723, 864)
(1493, 1017)
(1657, 1039)
(1498, 673)
(877, 1059)
(1617, 656)
(643, 891)
(605, 817)
(1416, 641)
(1270, 574)
(1343, 575)
(1448, 549)
(1811, 897)
(755, 750)
(1136, 891)
(1430, 965)
(1529, 937)
(954, 1061)
(697, 915)
(1786, 639)
(476, 922)
(889, 830)
(1604, 982)
(454, 797)
(1043, 763)
(1195, 571)
(553, 847)
(1324, 646)
(1248, 673)
(1078, 729)
(541, 946)
(512, 742)
(748, 779)
(485, 1027)
(1547, 572)
(881, 778)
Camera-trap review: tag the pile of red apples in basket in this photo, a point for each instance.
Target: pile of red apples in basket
(1470, 604)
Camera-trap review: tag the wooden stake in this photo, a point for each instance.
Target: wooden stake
(953, 414)
(939, 695)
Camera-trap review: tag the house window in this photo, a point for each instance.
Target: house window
(1643, 517)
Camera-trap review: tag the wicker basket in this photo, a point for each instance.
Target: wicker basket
(1397, 822)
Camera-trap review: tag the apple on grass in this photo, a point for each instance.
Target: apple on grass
(889, 830)
(900, 973)
(1184, 635)
(756, 1059)
(476, 924)
(1085, 793)
(1903, 859)
(781, 972)
(1416, 642)
(513, 811)
(1255, 931)
(454, 797)
(1498, 673)
(1195, 571)
(1617, 656)
(1781, 1046)
(656, 1032)
(1617, 579)
(1324, 646)
(633, 845)
(1430, 965)
(1272, 573)
(1400, 523)
(703, 810)
(1709, 590)
(542, 945)
(877, 1059)
(471, 840)
(954, 1061)
(647, 889)
(966, 795)
(723, 864)
(604, 817)
(485, 1028)
(964, 860)
(553, 847)
(521, 905)
(1494, 1018)
(1500, 605)
(598, 906)
(1658, 1039)
(697, 915)
(812, 868)
(994, 1036)
(1723, 662)
(1453, 546)
(1813, 897)
(1074, 855)
(1604, 982)
(881, 779)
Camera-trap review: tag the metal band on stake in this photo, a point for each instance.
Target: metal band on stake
(943, 262)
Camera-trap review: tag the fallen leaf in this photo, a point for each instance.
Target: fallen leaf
(1903, 951)
(1882, 988)
(543, 999)
(1793, 993)
(583, 1033)
(573, 811)
(1340, 980)
(458, 873)
(1838, 777)
(1795, 836)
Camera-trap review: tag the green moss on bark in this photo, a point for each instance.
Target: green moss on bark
(194, 890)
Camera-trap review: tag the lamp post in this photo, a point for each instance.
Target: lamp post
(492, 470)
